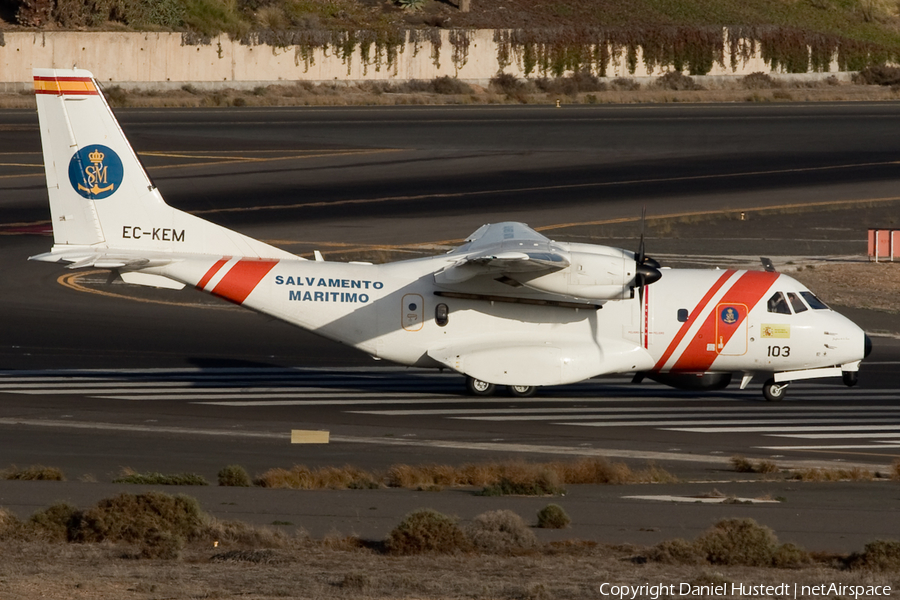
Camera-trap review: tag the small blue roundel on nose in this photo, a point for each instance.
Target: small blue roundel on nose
(95, 172)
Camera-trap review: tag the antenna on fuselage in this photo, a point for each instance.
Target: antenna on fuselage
(767, 264)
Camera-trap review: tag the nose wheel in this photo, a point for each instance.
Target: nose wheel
(774, 392)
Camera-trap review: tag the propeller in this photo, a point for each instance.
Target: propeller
(647, 269)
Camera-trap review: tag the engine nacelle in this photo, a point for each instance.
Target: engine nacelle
(589, 275)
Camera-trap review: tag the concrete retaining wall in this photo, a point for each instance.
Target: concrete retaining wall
(157, 58)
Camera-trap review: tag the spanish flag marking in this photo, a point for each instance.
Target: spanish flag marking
(60, 86)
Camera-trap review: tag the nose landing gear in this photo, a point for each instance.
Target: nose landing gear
(774, 392)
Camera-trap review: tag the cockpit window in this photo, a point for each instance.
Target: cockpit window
(814, 303)
(777, 304)
(796, 302)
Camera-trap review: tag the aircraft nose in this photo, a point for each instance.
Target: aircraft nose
(867, 346)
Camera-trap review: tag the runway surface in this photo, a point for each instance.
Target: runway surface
(96, 377)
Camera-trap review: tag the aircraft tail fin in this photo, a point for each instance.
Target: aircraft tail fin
(102, 201)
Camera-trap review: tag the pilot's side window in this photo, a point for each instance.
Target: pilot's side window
(777, 304)
(796, 302)
(441, 314)
(682, 315)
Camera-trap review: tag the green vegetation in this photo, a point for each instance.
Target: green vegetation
(234, 476)
(688, 35)
(553, 516)
(130, 476)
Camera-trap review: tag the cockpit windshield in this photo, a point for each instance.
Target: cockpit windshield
(786, 303)
(813, 301)
(796, 303)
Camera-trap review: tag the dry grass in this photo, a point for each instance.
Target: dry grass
(743, 465)
(517, 474)
(33, 473)
(301, 477)
(834, 474)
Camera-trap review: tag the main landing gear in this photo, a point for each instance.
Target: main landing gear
(476, 387)
(774, 392)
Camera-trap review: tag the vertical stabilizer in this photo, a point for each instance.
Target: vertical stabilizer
(100, 195)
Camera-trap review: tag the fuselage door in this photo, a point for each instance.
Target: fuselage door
(731, 329)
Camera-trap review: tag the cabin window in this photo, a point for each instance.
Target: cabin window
(796, 302)
(813, 301)
(682, 315)
(777, 304)
(441, 314)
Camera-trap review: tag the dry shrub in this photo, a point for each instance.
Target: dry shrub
(759, 81)
(623, 84)
(676, 552)
(132, 517)
(162, 544)
(265, 556)
(237, 533)
(553, 516)
(341, 543)
(9, 524)
(234, 476)
(500, 532)
(301, 477)
(878, 75)
(743, 465)
(790, 556)
(33, 473)
(880, 555)
(677, 81)
(447, 85)
(581, 81)
(57, 522)
(738, 542)
(426, 531)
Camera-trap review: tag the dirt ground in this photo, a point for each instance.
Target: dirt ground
(567, 571)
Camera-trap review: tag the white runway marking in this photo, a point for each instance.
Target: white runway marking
(888, 426)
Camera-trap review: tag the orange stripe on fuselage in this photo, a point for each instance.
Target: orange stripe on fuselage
(212, 272)
(747, 291)
(695, 314)
(59, 86)
(242, 279)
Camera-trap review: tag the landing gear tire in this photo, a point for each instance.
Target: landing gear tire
(521, 391)
(774, 392)
(850, 378)
(477, 387)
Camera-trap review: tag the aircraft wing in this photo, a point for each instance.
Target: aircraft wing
(503, 248)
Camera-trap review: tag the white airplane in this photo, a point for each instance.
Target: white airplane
(509, 307)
